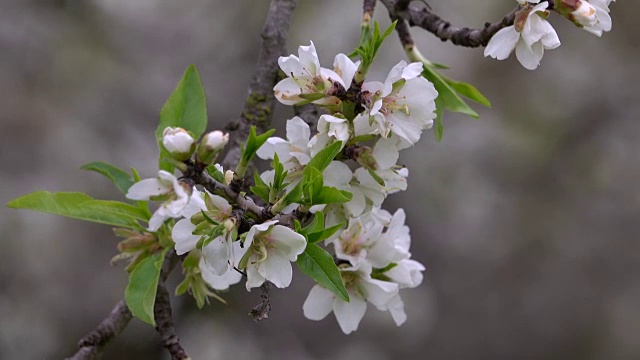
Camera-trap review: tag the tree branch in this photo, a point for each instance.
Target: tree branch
(92, 345)
(310, 114)
(163, 314)
(425, 18)
(261, 311)
(259, 105)
(368, 7)
(245, 203)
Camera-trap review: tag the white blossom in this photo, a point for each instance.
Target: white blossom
(594, 16)
(177, 141)
(529, 36)
(407, 273)
(215, 140)
(361, 288)
(359, 241)
(270, 250)
(218, 251)
(165, 187)
(294, 152)
(330, 128)
(229, 277)
(308, 82)
(404, 105)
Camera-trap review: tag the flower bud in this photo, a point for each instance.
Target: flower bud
(228, 177)
(178, 142)
(585, 14)
(211, 145)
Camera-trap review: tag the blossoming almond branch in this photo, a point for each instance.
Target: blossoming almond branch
(320, 204)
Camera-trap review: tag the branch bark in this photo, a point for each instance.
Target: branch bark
(260, 102)
(163, 314)
(425, 18)
(92, 345)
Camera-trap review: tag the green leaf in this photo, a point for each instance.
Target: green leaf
(318, 264)
(140, 294)
(469, 91)
(215, 173)
(293, 196)
(183, 286)
(120, 178)
(186, 108)
(317, 224)
(261, 189)
(81, 206)
(325, 156)
(450, 98)
(254, 142)
(318, 236)
(438, 131)
(331, 195)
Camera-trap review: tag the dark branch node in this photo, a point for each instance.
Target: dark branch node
(261, 311)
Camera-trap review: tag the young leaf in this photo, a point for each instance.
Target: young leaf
(318, 264)
(469, 91)
(323, 234)
(293, 196)
(183, 286)
(186, 108)
(261, 189)
(449, 92)
(83, 207)
(317, 224)
(331, 195)
(325, 156)
(451, 100)
(438, 130)
(254, 142)
(140, 294)
(216, 173)
(120, 178)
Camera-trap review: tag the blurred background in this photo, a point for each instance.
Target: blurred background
(526, 219)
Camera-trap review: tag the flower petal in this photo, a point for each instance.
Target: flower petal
(145, 189)
(183, 237)
(254, 278)
(288, 241)
(502, 43)
(529, 58)
(319, 303)
(276, 268)
(219, 282)
(216, 255)
(157, 219)
(349, 314)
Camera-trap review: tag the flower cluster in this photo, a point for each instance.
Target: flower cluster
(531, 34)
(371, 246)
(323, 188)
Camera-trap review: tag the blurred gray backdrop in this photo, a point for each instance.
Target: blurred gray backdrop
(527, 219)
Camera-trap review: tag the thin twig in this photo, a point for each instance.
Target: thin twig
(260, 102)
(92, 345)
(368, 7)
(425, 18)
(163, 315)
(261, 311)
(244, 203)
